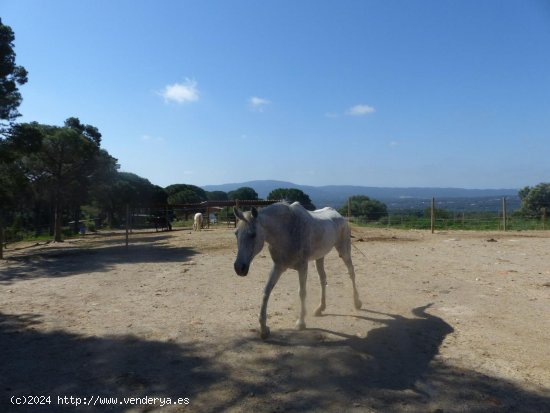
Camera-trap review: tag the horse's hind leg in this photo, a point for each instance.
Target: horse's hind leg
(356, 301)
(320, 264)
(345, 254)
(302, 273)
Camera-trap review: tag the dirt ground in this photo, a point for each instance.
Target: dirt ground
(451, 322)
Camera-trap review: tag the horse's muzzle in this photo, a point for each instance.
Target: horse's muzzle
(241, 269)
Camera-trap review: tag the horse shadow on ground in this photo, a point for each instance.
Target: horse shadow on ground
(68, 260)
(393, 368)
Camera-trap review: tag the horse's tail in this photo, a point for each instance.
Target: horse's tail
(343, 244)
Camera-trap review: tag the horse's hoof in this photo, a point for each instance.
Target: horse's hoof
(300, 325)
(358, 304)
(265, 333)
(319, 312)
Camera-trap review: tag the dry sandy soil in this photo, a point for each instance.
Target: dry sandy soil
(451, 322)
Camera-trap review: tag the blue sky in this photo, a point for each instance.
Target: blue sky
(375, 93)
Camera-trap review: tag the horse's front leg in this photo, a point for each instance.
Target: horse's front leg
(302, 273)
(274, 275)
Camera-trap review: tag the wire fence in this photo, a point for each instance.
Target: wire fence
(23, 227)
(221, 216)
(457, 221)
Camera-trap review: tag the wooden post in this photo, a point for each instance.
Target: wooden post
(127, 222)
(432, 215)
(237, 206)
(167, 219)
(504, 213)
(1, 239)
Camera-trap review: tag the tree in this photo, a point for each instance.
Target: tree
(244, 193)
(88, 131)
(217, 196)
(103, 191)
(21, 140)
(134, 190)
(159, 197)
(533, 200)
(292, 195)
(365, 208)
(11, 76)
(63, 168)
(14, 186)
(121, 189)
(185, 194)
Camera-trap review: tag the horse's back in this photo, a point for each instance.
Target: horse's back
(327, 213)
(325, 229)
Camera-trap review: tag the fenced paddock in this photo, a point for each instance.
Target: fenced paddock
(434, 216)
(133, 218)
(486, 221)
(454, 321)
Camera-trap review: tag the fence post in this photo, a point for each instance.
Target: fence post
(237, 206)
(127, 222)
(504, 213)
(1, 239)
(432, 215)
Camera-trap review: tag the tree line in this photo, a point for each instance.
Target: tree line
(52, 176)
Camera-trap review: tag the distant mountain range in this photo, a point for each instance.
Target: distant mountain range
(458, 199)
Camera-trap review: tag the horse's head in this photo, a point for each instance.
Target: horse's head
(250, 239)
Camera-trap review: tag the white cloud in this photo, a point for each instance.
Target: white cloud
(149, 138)
(393, 144)
(360, 110)
(258, 104)
(181, 92)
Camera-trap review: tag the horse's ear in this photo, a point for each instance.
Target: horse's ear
(254, 212)
(238, 213)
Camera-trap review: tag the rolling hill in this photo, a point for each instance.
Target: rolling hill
(458, 199)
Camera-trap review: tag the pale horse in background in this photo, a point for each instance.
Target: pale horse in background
(295, 236)
(197, 222)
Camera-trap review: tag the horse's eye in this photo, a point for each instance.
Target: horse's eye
(253, 235)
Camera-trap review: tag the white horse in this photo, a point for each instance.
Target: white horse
(197, 222)
(295, 236)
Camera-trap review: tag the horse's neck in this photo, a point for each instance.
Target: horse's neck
(274, 224)
(283, 227)
(269, 226)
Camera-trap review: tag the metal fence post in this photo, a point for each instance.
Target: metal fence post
(504, 213)
(432, 215)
